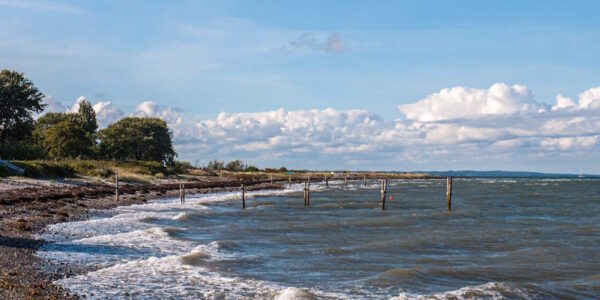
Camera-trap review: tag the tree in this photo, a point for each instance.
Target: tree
(68, 138)
(137, 139)
(19, 100)
(252, 169)
(215, 165)
(88, 117)
(235, 165)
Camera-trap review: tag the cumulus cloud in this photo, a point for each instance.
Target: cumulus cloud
(151, 109)
(588, 99)
(106, 113)
(333, 43)
(53, 105)
(461, 102)
(501, 123)
(328, 131)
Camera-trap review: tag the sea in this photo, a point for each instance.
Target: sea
(504, 239)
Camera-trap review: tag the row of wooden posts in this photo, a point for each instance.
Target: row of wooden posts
(307, 190)
(383, 190)
(181, 190)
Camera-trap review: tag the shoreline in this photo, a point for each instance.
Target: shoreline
(31, 205)
(23, 274)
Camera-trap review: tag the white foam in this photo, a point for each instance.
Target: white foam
(293, 293)
(490, 290)
(140, 259)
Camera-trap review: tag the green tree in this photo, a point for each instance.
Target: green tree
(252, 169)
(88, 117)
(235, 165)
(215, 165)
(137, 139)
(68, 138)
(19, 100)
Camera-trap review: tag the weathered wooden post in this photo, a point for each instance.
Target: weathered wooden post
(326, 181)
(365, 179)
(449, 193)
(243, 197)
(346, 179)
(290, 179)
(383, 192)
(308, 192)
(305, 193)
(117, 186)
(183, 192)
(271, 178)
(180, 193)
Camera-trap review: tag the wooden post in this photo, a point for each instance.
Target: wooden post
(449, 193)
(346, 179)
(383, 192)
(290, 179)
(183, 192)
(180, 194)
(365, 179)
(305, 193)
(271, 177)
(308, 192)
(243, 197)
(117, 186)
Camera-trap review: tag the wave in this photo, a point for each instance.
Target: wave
(490, 290)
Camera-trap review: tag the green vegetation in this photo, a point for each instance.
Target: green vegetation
(137, 139)
(69, 136)
(93, 168)
(19, 100)
(70, 144)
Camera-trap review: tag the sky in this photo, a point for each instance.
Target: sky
(358, 85)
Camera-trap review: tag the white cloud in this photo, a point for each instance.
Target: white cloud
(563, 102)
(106, 113)
(461, 102)
(590, 99)
(568, 142)
(75, 107)
(53, 105)
(150, 109)
(502, 123)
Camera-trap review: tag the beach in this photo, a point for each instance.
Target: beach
(28, 205)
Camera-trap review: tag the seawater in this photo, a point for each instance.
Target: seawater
(505, 238)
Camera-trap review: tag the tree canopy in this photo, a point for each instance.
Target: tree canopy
(67, 135)
(139, 139)
(88, 117)
(69, 139)
(19, 100)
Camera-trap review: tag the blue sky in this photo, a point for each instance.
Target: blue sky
(189, 61)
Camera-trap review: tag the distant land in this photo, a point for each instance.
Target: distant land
(503, 174)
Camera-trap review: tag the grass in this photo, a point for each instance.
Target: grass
(91, 168)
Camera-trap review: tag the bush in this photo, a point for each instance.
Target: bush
(252, 169)
(94, 168)
(180, 167)
(36, 168)
(235, 166)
